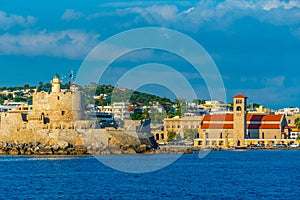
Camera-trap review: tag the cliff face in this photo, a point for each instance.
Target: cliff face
(72, 142)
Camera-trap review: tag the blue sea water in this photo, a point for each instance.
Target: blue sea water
(220, 175)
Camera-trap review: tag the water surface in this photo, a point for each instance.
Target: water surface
(221, 174)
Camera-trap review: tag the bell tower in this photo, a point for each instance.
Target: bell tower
(239, 119)
(55, 84)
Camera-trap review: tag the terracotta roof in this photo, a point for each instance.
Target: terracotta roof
(263, 126)
(218, 117)
(240, 96)
(250, 117)
(217, 126)
(269, 117)
(249, 126)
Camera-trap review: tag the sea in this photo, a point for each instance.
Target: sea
(248, 174)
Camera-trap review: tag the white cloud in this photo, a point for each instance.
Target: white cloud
(268, 5)
(72, 44)
(8, 21)
(70, 14)
(217, 15)
(189, 10)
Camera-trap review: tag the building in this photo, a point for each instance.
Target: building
(50, 110)
(214, 106)
(179, 125)
(288, 111)
(120, 110)
(241, 128)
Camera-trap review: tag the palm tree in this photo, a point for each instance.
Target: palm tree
(297, 122)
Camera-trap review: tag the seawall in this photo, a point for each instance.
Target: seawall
(72, 142)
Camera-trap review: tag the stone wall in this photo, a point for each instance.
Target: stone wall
(57, 107)
(70, 141)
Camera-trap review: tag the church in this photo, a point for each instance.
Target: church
(240, 129)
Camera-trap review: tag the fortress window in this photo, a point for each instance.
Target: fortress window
(63, 112)
(239, 108)
(57, 97)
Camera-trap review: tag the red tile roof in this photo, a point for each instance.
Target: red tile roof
(269, 117)
(250, 117)
(240, 96)
(217, 126)
(218, 117)
(249, 126)
(263, 126)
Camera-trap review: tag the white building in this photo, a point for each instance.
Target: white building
(288, 111)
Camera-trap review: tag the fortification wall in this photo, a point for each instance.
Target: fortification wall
(57, 107)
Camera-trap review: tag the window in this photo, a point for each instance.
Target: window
(63, 113)
(238, 101)
(57, 97)
(263, 135)
(239, 108)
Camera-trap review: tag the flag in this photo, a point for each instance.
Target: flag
(71, 74)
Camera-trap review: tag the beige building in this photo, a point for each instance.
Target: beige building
(54, 110)
(178, 125)
(242, 129)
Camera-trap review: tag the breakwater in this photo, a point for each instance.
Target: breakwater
(74, 142)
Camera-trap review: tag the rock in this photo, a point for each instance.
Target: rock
(105, 152)
(3, 152)
(130, 151)
(28, 151)
(55, 148)
(115, 150)
(14, 151)
(81, 151)
(62, 152)
(36, 150)
(63, 144)
(188, 151)
(142, 148)
(45, 151)
(3, 145)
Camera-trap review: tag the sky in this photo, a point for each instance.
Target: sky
(254, 44)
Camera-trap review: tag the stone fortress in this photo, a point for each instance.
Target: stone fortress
(56, 121)
(50, 110)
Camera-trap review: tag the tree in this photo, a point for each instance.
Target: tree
(171, 135)
(190, 134)
(298, 137)
(297, 122)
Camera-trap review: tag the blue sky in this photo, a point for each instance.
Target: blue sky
(255, 44)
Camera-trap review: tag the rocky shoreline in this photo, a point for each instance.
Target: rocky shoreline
(68, 149)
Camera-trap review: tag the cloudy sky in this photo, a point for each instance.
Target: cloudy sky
(255, 44)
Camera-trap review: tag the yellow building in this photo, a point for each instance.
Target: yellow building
(241, 129)
(178, 125)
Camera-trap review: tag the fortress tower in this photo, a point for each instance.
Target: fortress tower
(58, 106)
(239, 119)
(55, 84)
